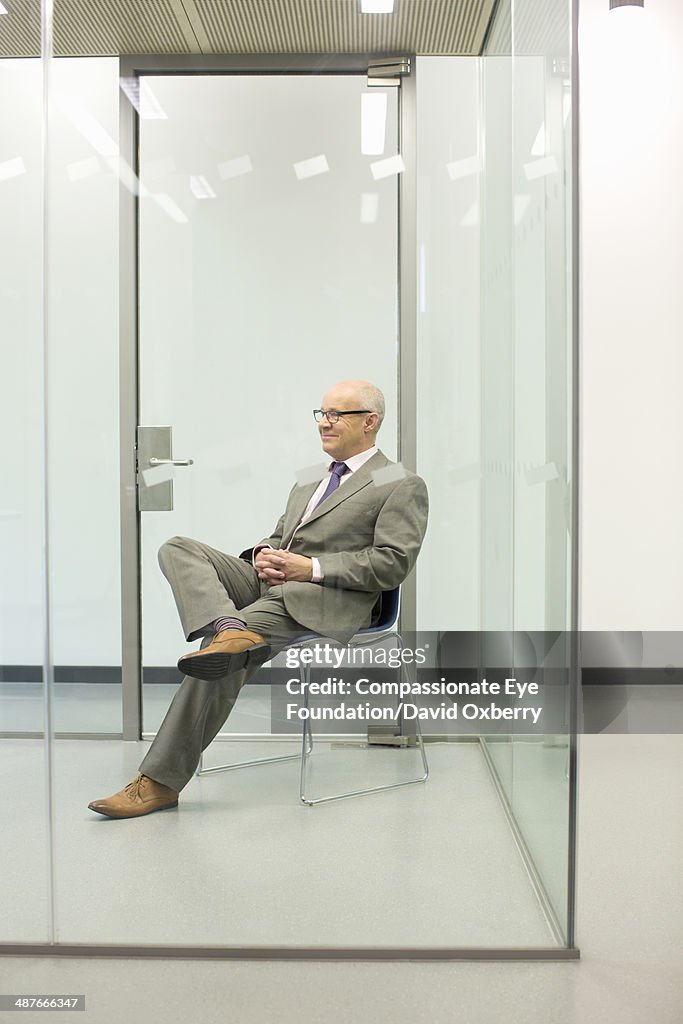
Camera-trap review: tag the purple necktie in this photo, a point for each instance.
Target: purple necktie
(338, 470)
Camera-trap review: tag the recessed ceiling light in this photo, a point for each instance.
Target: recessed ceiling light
(3, 9)
(376, 6)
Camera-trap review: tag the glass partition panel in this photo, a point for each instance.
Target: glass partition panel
(24, 850)
(533, 353)
(268, 257)
(471, 572)
(267, 261)
(542, 176)
(83, 372)
(268, 270)
(498, 567)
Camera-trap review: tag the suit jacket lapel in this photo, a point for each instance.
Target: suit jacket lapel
(297, 508)
(361, 478)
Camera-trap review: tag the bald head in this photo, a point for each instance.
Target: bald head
(354, 434)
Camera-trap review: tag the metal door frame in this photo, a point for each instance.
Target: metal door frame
(187, 64)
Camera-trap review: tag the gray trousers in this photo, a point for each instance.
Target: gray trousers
(206, 584)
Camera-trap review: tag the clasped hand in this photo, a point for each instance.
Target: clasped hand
(274, 566)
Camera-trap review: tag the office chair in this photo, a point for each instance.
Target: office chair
(383, 629)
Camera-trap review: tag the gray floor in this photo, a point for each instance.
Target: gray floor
(630, 934)
(242, 863)
(96, 707)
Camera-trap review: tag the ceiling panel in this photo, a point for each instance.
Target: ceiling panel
(20, 29)
(106, 27)
(541, 28)
(337, 26)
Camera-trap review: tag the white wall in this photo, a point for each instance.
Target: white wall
(631, 165)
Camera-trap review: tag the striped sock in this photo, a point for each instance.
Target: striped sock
(227, 622)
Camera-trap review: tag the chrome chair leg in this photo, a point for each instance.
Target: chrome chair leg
(307, 748)
(381, 633)
(201, 770)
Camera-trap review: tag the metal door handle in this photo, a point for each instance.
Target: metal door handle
(171, 462)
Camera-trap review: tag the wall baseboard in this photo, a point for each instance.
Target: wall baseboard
(86, 674)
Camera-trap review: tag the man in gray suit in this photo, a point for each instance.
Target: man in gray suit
(338, 545)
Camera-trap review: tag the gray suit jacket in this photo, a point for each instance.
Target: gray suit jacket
(366, 536)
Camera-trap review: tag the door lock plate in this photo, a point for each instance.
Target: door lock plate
(155, 464)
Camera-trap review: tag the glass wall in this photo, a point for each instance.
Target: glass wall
(266, 266)
(526, 346)
(249, 269)
(25, 850)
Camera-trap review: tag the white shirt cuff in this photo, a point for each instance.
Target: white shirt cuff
(317, 575)
(259, 547)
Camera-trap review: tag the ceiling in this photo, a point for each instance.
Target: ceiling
(108, 27)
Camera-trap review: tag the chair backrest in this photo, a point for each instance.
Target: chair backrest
(389, 604)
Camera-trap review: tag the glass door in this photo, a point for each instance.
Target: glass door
(268, 228)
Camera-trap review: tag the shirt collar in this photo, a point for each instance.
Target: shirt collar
(354, 462)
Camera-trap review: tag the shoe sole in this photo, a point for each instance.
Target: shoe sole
(218, 663)
(107, 814)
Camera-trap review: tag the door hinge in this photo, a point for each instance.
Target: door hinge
(384, 71)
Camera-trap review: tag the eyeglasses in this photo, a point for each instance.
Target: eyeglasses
(333, 416)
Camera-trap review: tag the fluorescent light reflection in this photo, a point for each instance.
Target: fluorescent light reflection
(143, 99)
(234, 168)
(376, 6)
(89, 127)
(373, 122)
(471, 218)
(310, 168)
(388, 474)
(369, 207)
(80, 169)
(386, 168)
(126, 175)
(200, 188)
(521, 204)
(12, 168)
(158, 475)
(170, 207)
(538, 148)
(150, 108)
(311, 474)
(540, 168)
(463, 168)
(154, 170)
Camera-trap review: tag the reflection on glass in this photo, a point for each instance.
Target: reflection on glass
(250, 305)
(527, 420)
(24, 850)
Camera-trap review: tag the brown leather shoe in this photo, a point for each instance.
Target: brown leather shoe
(228, 652)
(141, 796)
